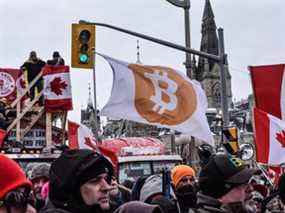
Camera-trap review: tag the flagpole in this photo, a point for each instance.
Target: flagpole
(264, 173)
(95, 100)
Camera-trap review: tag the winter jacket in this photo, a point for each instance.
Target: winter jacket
(207, 204)
(33, 68)
(50, 208)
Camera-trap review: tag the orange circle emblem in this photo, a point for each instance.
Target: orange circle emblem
(162, 95)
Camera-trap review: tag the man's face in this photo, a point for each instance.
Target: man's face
(237, 194)
(38, 185)
(33, 56)
(114, 190)
(96, 191)
(185, 181)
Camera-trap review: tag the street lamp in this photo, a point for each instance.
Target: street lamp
(186, 5)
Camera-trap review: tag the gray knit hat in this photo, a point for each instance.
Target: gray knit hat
(151, 187)
(40, 170)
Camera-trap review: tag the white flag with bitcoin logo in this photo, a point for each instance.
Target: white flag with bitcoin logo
(158, 96)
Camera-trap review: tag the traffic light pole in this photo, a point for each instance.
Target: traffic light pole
(156, 40)
(220, 59)
(97, 126)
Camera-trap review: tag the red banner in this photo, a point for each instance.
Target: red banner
(10, 80)
(267, 84)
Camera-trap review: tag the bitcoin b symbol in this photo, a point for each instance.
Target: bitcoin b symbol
(160, 105)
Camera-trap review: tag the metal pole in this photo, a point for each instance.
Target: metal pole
(156, 40)
(224, 95)
(188, 41)
(186, 5)
(95, 100)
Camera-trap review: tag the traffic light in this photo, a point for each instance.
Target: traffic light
(83, 40)
(231, 135)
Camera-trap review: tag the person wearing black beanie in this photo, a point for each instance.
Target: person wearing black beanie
(224, 185)
(79, 182)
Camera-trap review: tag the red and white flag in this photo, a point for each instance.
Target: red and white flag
(11, 80)
(81, 137)
(268, 84)
(57, 88)
(269, 138)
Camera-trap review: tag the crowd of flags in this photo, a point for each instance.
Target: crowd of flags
(164, 94)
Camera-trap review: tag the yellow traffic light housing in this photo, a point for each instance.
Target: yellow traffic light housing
(83, 41)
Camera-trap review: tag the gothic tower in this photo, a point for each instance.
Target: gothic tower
(88, 114)
(208, 71)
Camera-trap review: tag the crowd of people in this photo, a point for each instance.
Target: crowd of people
(85, 181)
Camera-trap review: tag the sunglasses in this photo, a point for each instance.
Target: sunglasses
(17, 199)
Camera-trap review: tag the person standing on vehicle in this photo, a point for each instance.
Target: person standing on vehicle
(39, 177)
(79, 182)
(33, 67)
(56, 59)
(15, 188)
(183, 180)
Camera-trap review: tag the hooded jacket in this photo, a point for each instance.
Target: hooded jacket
(64, 194)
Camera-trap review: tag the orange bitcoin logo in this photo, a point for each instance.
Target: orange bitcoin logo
(162, 95)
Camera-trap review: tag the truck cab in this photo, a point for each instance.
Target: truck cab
(140, 156)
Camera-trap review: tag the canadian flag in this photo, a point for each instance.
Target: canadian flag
(268, 84)
(274, 173)
(81, 137)
(57, 88)
(269, 138)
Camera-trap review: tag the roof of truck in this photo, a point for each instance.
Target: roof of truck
(134, 146)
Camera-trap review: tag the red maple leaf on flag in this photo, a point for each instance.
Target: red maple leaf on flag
(281, 137)
(57, 85)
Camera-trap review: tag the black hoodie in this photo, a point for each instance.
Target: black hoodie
(64, 194)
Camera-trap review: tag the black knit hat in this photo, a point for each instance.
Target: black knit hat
(69, 171)
(223, 173)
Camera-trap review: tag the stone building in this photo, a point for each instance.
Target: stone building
(208, 71)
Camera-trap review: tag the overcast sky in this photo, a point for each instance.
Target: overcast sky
(254, 34)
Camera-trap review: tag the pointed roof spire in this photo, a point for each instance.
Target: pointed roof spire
(138, 53)
(89, 103)
(209, 40)
(208, 12)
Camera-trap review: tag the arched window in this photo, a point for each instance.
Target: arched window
(216, 91)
